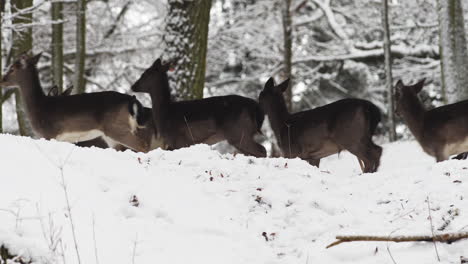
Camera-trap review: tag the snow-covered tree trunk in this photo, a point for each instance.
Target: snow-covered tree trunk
(454, 56)
(388, 72)
(57, 45)
(287, 49)
(186, 44)
(80, 59)
(22, 42)
(2, 8)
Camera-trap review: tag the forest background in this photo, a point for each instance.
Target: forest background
(330, 49)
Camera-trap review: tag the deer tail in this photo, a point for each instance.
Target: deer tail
(137, 111)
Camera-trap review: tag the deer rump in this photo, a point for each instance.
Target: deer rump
(346, 124)
(146, 132)
(233, 118)
(445, 131)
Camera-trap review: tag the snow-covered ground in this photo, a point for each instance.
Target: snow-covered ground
(195, 205)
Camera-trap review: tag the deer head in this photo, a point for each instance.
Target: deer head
(20, 70)
(153, 75)
(404, 92)
(273, 94)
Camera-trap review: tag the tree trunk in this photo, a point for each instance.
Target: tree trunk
(57, 45)
(287, 50)
(2, 8)
(186, 41)
(22, 42)
(80, 59)
(388, 72)
(454, 56)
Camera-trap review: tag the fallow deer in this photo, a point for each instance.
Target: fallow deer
(180, 124)
(346, 124)
(74, 118)
(145, 131)
(442, 131)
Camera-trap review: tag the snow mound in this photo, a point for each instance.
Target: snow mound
(195, 205)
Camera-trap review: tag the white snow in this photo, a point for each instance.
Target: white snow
(198, 206)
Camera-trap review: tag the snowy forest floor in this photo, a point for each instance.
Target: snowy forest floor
(195, 205)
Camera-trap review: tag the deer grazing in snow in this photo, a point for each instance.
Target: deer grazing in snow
(346, 124)
(180, 124)
(146, 131)
(111, 115)
(442, 131)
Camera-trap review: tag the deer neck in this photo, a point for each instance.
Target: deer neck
(413, 113)
(32, 93)
(161, 98)
(277, 115)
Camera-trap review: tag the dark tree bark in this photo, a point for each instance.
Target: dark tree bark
(80, 59)
(22, 42)
(287, 49)
(186, 41)
(454, 56)
(2, 8)
(57, 45)
(388, 72)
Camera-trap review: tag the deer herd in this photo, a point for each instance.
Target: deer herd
(116, 120)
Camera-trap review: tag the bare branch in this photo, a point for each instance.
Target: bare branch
(443, 238)
(325, 6)
(397, 52)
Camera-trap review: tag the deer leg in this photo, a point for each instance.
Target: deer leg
(249, 146)
(360, 151)
(372, 153)
(376, 155)
(361, 163)
(130, 140)
(242, 138)
(440, 157)
(314, 162)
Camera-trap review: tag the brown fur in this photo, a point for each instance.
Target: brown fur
(442, 131)
(180, 124)
(145, 131)
(314, 134)
(55, 116)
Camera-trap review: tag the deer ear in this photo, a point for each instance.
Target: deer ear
(68, 91)
(33, 60)
(156, 64)
(284, 85)
(399, 85)
(270, 83)
(53, 91)
(23, 61)
(418, 86)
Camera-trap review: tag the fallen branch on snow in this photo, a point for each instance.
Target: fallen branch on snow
(444, 238)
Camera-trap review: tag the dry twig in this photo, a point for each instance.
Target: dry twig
(444, 238)
(432, 228)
